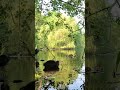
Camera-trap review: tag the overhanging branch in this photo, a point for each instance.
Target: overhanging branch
(106, 8)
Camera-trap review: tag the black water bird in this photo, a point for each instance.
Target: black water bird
(36, 51)
(42, 60)
(114, 75)
(4, 60)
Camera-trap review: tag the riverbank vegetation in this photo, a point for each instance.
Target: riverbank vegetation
(59, 36)
(57, 31)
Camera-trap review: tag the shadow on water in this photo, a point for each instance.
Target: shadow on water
(16, 73)
(101, 73)
(69, 76)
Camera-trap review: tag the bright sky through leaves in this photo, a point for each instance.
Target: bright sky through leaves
(78, 18)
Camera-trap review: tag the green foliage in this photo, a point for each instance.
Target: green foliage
(70, 7)
(4, 26)
(67, 66)
(98, 27)
(4, 32)
(56, 31)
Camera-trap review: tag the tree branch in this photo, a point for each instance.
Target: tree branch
(101, 10)
(118, 3)
(72, 5)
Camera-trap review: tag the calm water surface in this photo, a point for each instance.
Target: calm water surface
(70, 75)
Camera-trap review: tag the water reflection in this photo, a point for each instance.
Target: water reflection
(70, 75)
(17, 73)
(79, 83)
(102, 78)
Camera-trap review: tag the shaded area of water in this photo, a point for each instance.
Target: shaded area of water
(102, 73)
(70, 75)
(17, 73)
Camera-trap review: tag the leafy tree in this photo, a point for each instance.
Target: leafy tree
(70, 7)
(57, 28)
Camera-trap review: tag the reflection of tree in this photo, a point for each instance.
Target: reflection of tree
(69, 68)
(102, 36)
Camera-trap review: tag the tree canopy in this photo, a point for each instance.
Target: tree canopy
(57, 28)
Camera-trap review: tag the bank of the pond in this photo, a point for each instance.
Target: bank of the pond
(53, 49)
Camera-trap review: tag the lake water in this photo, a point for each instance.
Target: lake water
(105, 72)
(71, 74)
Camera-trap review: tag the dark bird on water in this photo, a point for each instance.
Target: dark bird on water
(36, 51)
(42, 60)
(3, 60)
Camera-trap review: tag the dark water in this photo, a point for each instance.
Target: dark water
(17, 73)
(70, 75)
(103, 75)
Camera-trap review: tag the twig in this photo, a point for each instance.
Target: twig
(50, 52)
(25, 45)
(12, 17)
